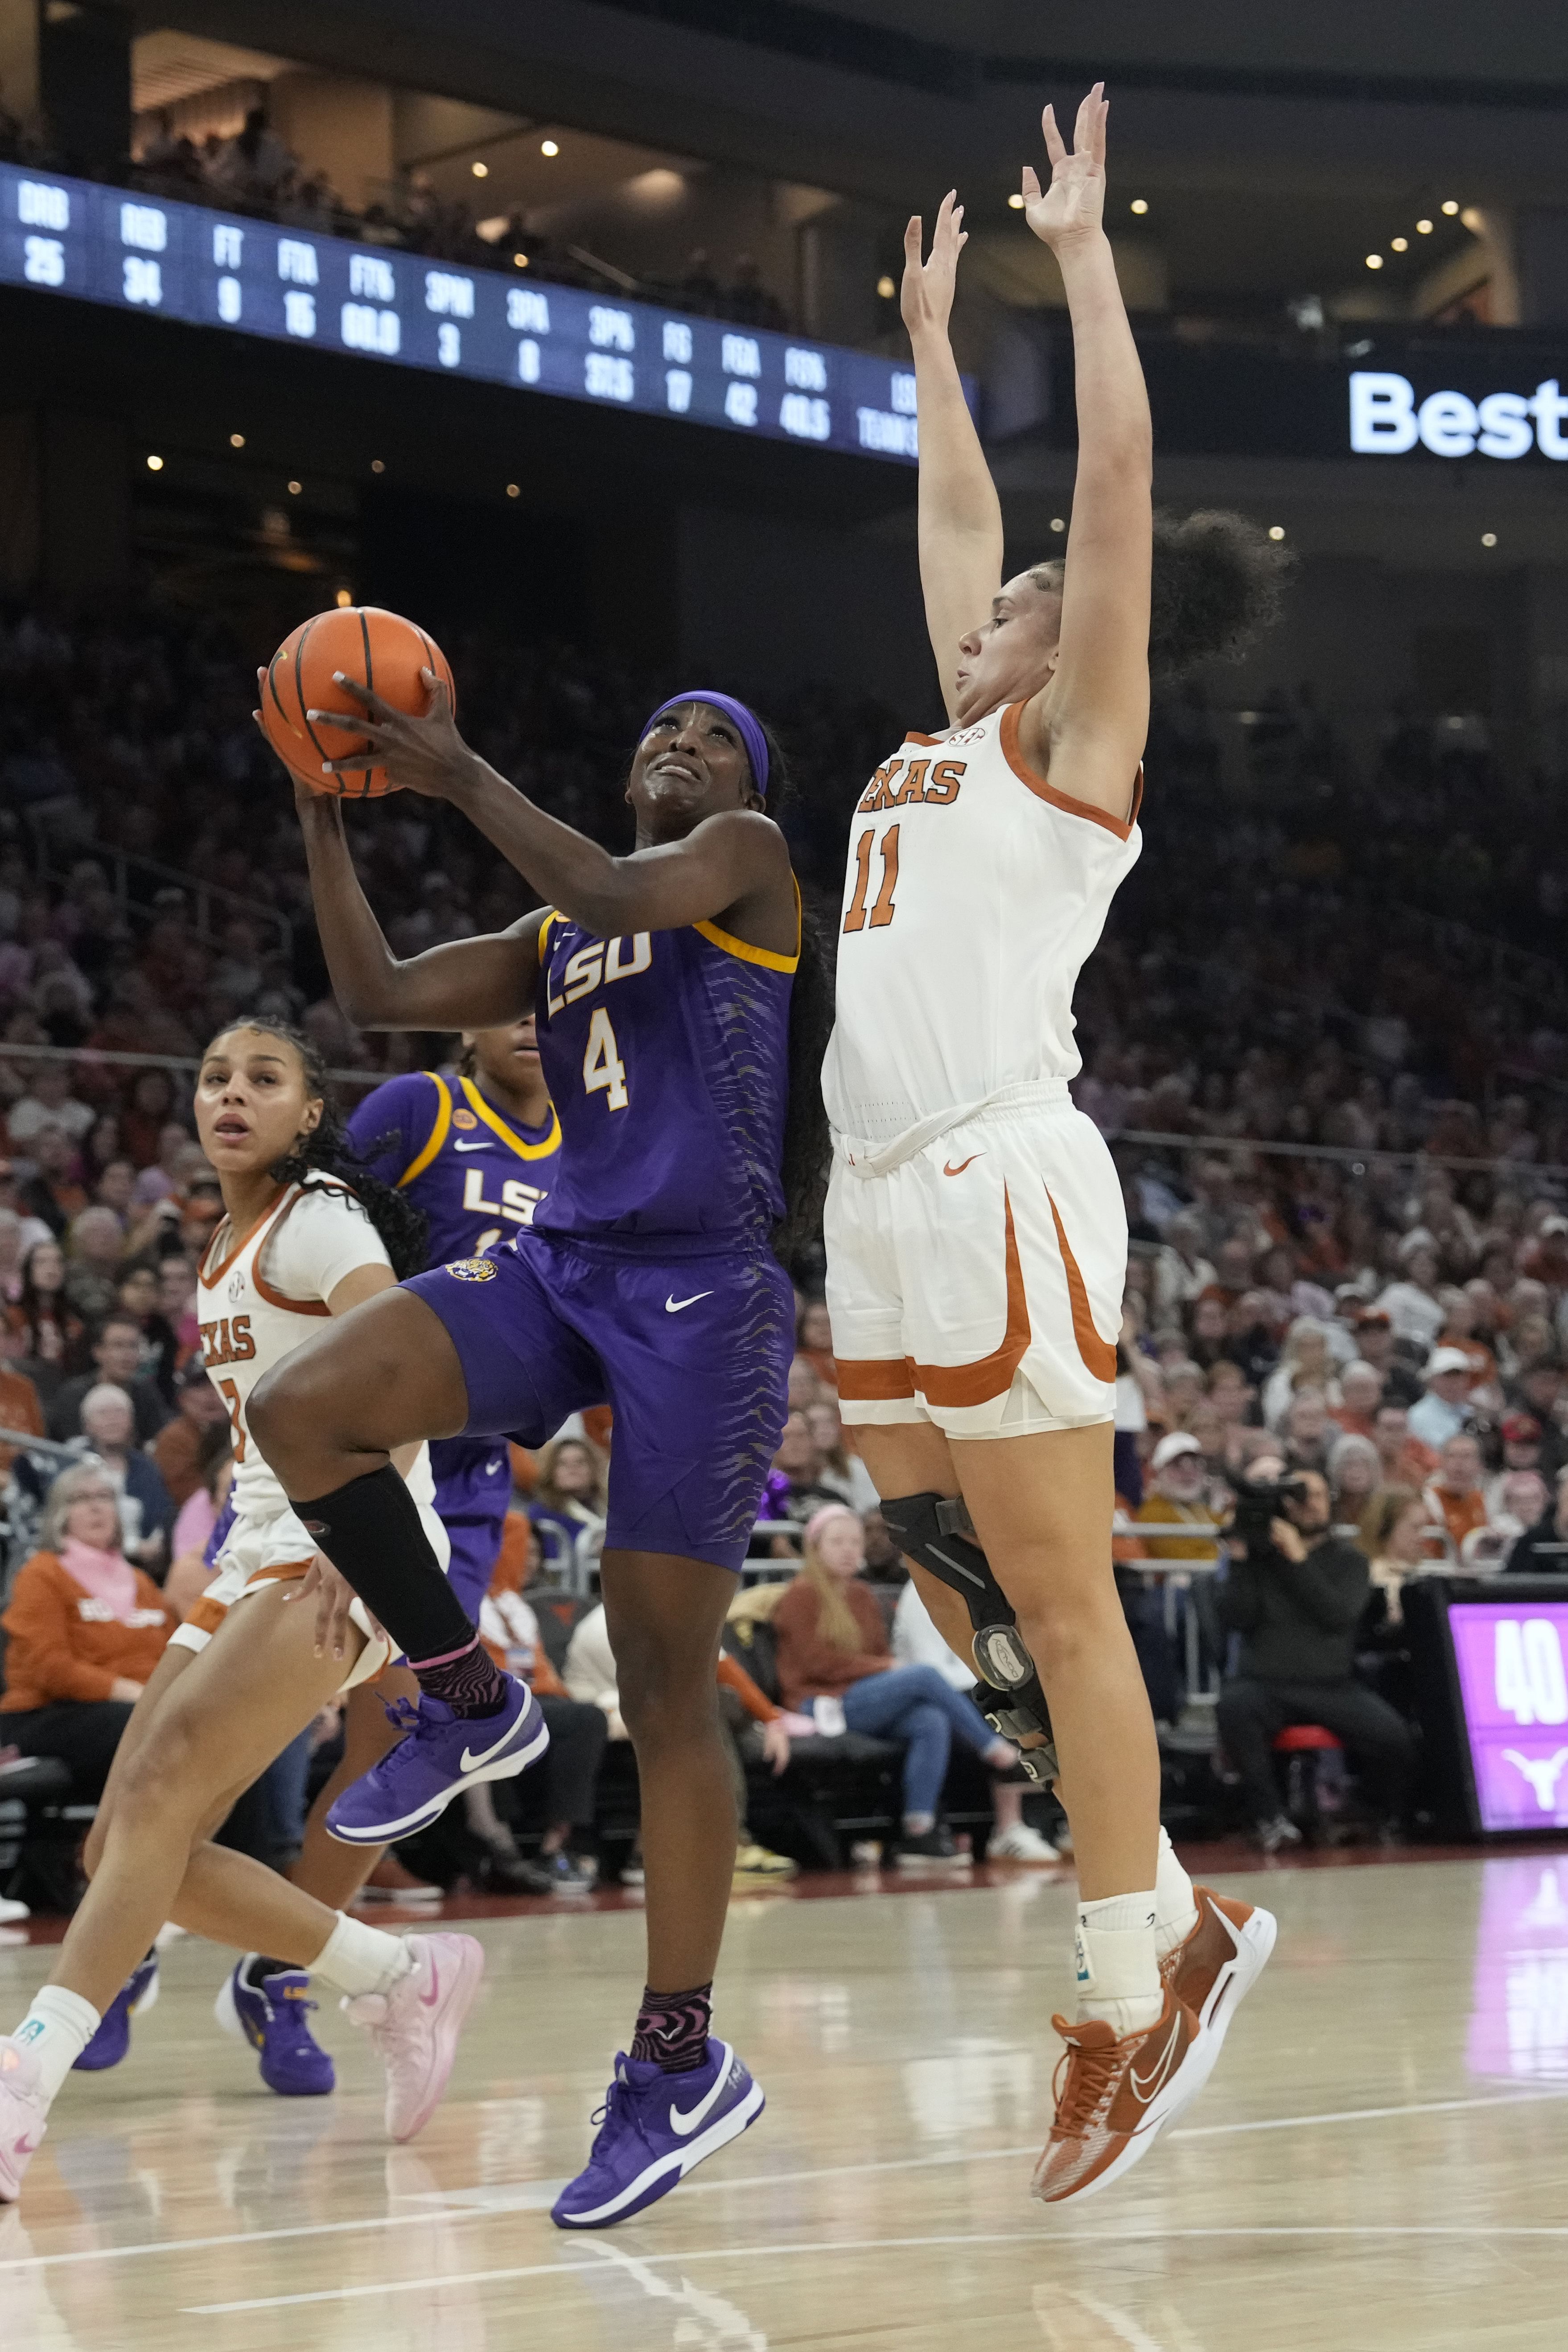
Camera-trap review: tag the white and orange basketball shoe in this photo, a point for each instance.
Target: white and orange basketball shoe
(1114, 2096)
(1213, 1971)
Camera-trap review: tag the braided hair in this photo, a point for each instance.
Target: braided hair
(328, 1151)
(807, 1152)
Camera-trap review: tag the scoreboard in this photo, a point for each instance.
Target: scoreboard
(209, 268)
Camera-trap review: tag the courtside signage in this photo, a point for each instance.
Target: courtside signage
(215, 270)
(1387, 418)
(1512, 1660)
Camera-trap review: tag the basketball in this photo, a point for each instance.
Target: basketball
(376, 648)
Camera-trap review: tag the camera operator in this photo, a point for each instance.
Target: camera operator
(1294, 1592)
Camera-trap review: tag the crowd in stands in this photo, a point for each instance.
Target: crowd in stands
(1362, 1308)
(256, 172)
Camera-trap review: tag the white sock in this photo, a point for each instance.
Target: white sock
(57, 2030)
(357, 1958)
(1118, 1967)
(1176, 1914)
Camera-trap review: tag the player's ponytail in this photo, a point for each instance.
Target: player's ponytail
(328, 1151)
(1217, 586)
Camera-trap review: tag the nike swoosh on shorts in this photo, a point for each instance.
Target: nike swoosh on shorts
(674, 1306)
(948, 1168)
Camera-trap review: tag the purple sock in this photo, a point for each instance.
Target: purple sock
(672, 2029)
(466, 1680)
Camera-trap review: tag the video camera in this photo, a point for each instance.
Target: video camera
(1256, 1507)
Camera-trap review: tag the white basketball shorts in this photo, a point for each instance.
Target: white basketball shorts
(978, 1283)
(278, 1550)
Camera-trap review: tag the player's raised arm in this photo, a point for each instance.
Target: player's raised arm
(734, 862)
(1087, 727)
(462, 984)
(960, 515)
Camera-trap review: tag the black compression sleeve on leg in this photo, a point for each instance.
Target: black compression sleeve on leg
(372, 1532)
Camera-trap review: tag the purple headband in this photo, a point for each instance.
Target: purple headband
(752, 735)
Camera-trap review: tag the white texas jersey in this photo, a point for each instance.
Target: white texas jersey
(974, 895)
(256, 1297)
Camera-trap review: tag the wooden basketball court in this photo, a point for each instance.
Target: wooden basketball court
(1381, 2160)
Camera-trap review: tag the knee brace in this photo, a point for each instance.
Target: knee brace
(936, 1531)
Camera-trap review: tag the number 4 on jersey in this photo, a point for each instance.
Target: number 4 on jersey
(603, 1072)
(883, 909)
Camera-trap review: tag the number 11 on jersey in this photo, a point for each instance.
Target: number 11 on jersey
(883, 909)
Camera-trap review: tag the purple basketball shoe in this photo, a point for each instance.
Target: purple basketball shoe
(656, 2127)
(274, 2018)
(113, 2040)
(442, 1753)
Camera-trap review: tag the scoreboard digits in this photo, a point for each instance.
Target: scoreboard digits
(183, 261)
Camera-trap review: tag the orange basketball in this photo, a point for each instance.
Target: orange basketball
(376, 648)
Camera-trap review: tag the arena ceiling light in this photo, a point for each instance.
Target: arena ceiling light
(1139, 204)
(1276, 530)
(1059, 522)
(236, 440)
(549, 147)
(479, 171)
(1450, 206)
(294, 489)
(1423, 228)
(886, 288)
(1399, 244)
(1375, 261)
(1488, 538)
(1015, 202)
(154, 465)
(377, 466)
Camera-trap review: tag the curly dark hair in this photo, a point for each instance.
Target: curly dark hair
(1217, 584)
(327, 1150)
(807, 1152)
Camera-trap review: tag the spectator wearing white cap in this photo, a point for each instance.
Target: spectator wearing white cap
(1178, 1476)
(1445, 1409)
(1412, 1303)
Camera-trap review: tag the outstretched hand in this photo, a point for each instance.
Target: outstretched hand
(1074, 205)
(926, 299)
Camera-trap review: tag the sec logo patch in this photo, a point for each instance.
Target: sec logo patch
(463, 1118)
(473, 1269)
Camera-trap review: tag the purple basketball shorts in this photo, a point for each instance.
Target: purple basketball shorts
(692, 1352)
(473, 1489)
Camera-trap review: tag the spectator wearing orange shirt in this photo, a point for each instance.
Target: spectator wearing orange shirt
(85, 1631)
(177, 1447)
(20, 1407)
(1455, 1495)
(1406, 1460)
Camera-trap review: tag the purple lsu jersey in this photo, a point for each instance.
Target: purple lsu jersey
(480, 1178)
(667, 1055)
(477, 1176)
